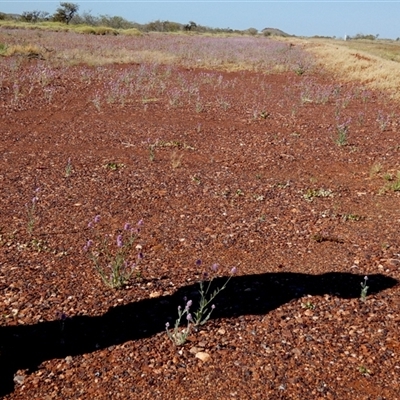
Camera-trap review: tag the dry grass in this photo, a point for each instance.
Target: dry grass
(96, 30)
(359, 62)
(46, 26)
(387, 49)
(30, 51)
(371, 63)
(58, 26)
(115, 56)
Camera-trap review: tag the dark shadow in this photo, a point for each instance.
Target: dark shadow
(27, 346)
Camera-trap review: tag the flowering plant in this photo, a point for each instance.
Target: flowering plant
(111, 258)
(177, 336)
(202, 315)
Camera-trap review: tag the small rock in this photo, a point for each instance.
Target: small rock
(194, 350)
(19, 379)
(221, 331)
(203, 356)
(155, 294)
(296, 351)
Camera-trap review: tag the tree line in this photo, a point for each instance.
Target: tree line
(68, 13)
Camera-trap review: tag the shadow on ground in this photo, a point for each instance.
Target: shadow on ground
(27, 346)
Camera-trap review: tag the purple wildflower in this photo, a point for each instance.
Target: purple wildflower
(215, 267)
(233, 271)
(198, 263)
(127, 226)
(87, 246)
(119, 241)
(189, 317)
(97, 219)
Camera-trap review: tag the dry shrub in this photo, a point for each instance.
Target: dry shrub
(96, 30)
(131, 32)
(29, 51)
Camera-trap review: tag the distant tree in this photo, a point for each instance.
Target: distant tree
(362, 36)
(115, 22)
(252, 31)
(86, 18)
(34, 16)
(65, 12)
(190, 26)
(154, 26)
(170, 26)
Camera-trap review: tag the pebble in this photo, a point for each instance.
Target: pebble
(203, 356)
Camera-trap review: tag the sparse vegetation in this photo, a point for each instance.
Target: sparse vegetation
(256, 181)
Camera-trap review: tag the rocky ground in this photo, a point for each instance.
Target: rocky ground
(290, 178)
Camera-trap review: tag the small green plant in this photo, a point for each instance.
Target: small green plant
(300, 69)
(313, 193)
(199, 107)
(202, 315)
(388, 176)
(97, 102)
(364, 289)
(3, 48)
(376, 169)
(68, 168)
(342, 133)
(31, 211)
(239, 192)
(179, 335)
(308, 305)
(196, 179)
(351, 217)
(113, 166)
(394, 184)
(111, 260)
(382, 120)
(152, 148)
(364, 370)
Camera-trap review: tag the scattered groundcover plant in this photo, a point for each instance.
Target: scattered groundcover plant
(31, 211)
(364, 289)
(68, 168)
(342, 130)
(111, 255)
(179, 335)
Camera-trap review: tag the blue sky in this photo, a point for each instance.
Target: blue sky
(301, 18)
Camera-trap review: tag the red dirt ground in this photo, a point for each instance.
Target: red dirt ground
(269, 192)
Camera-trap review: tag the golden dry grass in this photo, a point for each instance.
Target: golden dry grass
(358, 62)
(29, 50)
(115, 56)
